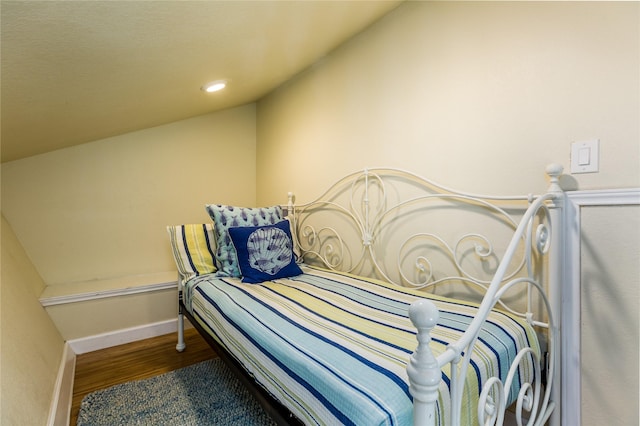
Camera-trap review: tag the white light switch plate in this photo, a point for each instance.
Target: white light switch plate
(585, 156)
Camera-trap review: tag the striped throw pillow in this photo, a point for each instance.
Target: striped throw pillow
(193, 248)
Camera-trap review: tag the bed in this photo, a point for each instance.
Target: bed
(388, 300)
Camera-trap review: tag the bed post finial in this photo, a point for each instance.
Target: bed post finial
(554, 171)
(423, 370)
(289, 202)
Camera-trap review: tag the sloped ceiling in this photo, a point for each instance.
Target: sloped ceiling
(78, 71)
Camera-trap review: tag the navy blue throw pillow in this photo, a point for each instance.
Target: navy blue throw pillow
(264, 252)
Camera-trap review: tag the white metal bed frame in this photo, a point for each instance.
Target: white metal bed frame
(424, 370)
(361, 200)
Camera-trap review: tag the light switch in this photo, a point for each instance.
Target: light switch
(585, 156)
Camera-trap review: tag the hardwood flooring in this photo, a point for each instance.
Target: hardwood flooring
(133, 361)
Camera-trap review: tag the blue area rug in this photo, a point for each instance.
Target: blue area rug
(206, 393)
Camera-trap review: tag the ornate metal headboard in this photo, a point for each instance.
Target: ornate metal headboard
(405, 229)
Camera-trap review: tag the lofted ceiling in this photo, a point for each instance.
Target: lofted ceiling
(79, 71)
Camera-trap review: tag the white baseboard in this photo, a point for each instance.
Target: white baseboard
(120, 337)
(60, 410)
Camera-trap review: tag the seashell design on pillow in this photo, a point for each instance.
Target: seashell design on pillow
(269, 250)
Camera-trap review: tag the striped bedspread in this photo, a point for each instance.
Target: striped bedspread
(333, 348)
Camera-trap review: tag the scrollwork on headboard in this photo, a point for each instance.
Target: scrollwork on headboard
(405, 229)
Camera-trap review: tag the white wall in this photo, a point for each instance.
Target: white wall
(31, 347)
(93, 217)
(479, 95)
(99, 210)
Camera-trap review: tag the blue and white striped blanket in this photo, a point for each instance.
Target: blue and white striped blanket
(333, 347)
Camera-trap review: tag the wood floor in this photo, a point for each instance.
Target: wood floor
(139, 360)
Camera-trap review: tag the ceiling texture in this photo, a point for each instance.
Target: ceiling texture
(78, 71)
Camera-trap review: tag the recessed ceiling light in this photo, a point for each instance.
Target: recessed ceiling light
(214, 86)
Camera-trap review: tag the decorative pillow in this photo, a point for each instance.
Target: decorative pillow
(193, 247)
(225, 217)
(264, 252)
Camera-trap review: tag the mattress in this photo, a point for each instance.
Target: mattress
(333, 348)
